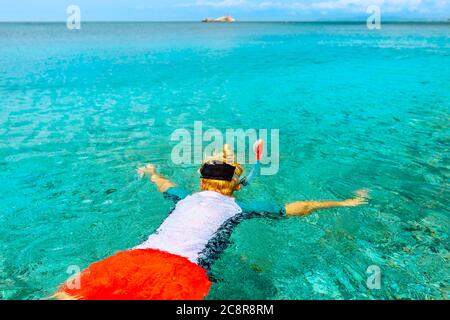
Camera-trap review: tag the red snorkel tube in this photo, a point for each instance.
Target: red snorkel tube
(258, 148)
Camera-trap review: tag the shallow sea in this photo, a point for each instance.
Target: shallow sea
(80, 110)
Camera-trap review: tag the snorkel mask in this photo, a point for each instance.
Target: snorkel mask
(218, 170)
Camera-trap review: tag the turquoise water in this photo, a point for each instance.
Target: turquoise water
(80, 110)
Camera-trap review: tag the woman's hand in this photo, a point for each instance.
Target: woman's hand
(148, 169)
(361, 198)
(163, 184)
(354, 202)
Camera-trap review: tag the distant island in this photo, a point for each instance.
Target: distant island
(220, 19)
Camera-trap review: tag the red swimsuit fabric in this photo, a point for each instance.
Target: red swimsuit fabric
(141, 275)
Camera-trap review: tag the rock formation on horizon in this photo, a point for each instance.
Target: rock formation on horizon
(220, 19)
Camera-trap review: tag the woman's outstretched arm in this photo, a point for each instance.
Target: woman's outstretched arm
(162, 183)
(303, 208)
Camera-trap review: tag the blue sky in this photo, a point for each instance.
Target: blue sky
(194, 10)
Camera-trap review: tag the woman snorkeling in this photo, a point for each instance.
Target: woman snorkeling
(173, 263)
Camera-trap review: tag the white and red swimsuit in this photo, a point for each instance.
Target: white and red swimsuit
(173, 262)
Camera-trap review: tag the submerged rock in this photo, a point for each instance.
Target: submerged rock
(109, 191)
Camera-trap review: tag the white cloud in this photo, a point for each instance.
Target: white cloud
(388, 6)
(219, 4)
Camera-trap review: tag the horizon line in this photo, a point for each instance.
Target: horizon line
(240, 21)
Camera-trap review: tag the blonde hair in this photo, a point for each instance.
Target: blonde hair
(221, 186)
